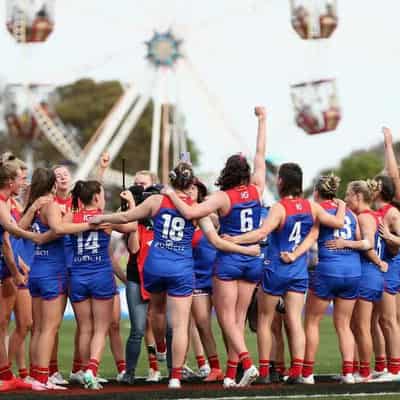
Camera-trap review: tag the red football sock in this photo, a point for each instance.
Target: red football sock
(176, 373)
(356, 366)
(308, 368)
(121, 366)
(245, 359)
(93, 366)
(394, 365)
(6, 373)
(214, 362)
(77, 366)
(231, 369)
(161, 347)
(53, 368)
(296, 367)
(264, 368)
(347, 367)
(23, 373)
(41, 374)
(380, 363)
(200, 361)
(365, 369)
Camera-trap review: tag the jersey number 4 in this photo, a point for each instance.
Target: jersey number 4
(91, 244)
(173, 227)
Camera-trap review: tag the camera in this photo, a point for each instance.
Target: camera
(140, 194)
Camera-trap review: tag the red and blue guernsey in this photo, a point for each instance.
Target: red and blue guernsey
(169, 264)
(392, 276)
(2, 231)
(91, 273)
(48, 275)
(280, 277)
(372, 278)
(244, 216)
(341, 262)
(204, 254)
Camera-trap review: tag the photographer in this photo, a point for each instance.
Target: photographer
(138, 243)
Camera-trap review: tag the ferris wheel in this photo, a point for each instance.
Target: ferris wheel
(32, 21)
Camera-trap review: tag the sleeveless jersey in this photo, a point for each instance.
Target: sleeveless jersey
(340, 262)
(387, 254)
(66, 206)
(264, 244)
(146, 236)
(90, 248)
(49, 258)
(4, 200)
(171, 250)
(289, 235)
(244, 216)
(204, 254)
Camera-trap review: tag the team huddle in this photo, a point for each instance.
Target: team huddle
(189, 252)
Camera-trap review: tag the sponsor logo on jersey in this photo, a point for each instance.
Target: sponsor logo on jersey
(244, 195)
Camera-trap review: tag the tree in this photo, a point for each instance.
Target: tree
(83, 105)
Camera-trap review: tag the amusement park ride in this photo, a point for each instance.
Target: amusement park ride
(29, 110)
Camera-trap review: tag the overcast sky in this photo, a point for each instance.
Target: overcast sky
(247, 53)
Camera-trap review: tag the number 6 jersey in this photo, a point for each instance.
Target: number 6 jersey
(244, 216)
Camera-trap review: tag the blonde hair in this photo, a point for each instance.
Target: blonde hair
(327, 186)
(8, 156)
(8, 171)
(367, 188)
(154, 178)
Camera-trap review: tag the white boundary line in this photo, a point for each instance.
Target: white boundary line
(297, 396)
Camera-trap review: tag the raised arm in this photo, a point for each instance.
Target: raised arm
(258, 177)
(197, 211)
(333, 221)
(211, 234)
(275, 216)
(391, 166)
(103, 165)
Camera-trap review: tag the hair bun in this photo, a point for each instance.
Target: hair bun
(186, 173)
(373, 185)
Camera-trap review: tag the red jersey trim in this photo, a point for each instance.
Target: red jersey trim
(235, 196)
(291, 206)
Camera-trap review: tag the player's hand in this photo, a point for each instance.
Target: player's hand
(254, 250)
(387, 136)
(128, 197)
(339, 202)
(335, 244)
(40, 202)
(383, 266)
(384, 231)
(288, 257)
(23, 266)
(260, 112)
(105, 160)
(96, 220)
(20, 279)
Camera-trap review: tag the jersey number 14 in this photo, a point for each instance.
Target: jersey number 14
(91, 244)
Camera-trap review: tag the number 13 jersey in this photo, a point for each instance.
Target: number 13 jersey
(289, 235)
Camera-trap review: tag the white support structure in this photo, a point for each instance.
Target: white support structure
(112, 177)
(19, 28)
(107, 133)
(155, 136)
(126, 128)
(53, 133)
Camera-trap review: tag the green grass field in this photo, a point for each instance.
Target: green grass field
(328, 360)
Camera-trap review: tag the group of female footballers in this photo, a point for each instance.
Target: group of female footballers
(189, 252)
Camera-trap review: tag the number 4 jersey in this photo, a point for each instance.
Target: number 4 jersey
(244, 216)
(288, 236)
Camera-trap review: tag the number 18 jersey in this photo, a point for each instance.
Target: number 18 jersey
(171, 250)
(289, 235)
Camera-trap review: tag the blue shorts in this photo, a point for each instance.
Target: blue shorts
(94, 285)
(370, 294)
(392, 277)
(251, 272)
(175, 285)
(48, 288)
(6, 274)
(332, 287)
(277, 285)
